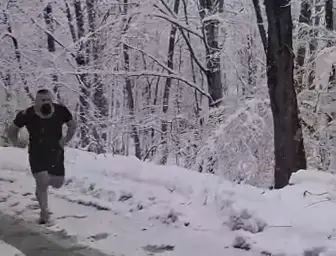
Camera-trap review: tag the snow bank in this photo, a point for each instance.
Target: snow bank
(293, 220)
(9, 250)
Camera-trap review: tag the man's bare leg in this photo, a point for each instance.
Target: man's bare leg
(42, 183)
(56, 181)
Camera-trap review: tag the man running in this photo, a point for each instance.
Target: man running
(44, 122)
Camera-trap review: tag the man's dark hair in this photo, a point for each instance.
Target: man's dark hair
(43, 91)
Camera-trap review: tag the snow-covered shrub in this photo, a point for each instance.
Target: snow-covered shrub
(239, 145)
(318, 115)
(245, 221)
(317, 104)
(241, 242)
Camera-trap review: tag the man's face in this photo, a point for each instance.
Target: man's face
(43, 98)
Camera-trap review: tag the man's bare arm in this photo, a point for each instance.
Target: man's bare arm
(71, 131)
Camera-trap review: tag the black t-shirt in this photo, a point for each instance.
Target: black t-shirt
(44, 133)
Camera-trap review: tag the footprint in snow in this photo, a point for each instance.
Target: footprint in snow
(4, 199)
(7, 180)
(15, 204)
(158, 248)
(72, 216)
(33, 206)
(99, 236)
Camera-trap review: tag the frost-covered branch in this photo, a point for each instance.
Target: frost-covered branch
(174, 20)
(173, 75)
(143, 73)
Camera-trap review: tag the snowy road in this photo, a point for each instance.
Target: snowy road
(33, 240)
(122, 206)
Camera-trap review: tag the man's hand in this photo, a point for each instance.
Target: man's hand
(13, 134)
(20, 144)
(62, 142)
(70, 133)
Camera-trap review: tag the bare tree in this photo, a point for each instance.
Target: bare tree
(166, 92)
(93, 53)
(288, 139)
(81, 60)
(48, 18)
(210, 30)
(260, 22)
(330, 27)
(18, 54)
(313, 42)
(305, 22)
(128, 84)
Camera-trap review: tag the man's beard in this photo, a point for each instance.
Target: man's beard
(46, 109)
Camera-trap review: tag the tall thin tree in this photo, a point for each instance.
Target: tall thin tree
(48, 18)
(166, 92)
(210, 29)
(330, 27)
(305, 22)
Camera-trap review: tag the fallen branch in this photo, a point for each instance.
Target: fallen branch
(313, 194)
(319, 202)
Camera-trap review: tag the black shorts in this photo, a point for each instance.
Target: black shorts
(52, 161)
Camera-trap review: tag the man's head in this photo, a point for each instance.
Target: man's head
(43, 102)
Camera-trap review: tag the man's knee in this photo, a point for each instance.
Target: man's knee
(42, 180)
(56, 181)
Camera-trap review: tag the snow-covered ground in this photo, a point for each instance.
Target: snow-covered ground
(128, 207)
(8, 250)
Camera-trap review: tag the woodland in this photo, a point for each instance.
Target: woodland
(243, 89)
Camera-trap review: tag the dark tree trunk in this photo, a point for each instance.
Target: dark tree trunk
(330, 27)
(84, 86)
(252, 67)
(210, 27)
(166, 92)
(18, 56)
(128, 87)
(48, 18)
(260, 22)
(70, 21)
(313, 44)
(305, 18)
(198, 97)
(329, 15)
(288, 140)
(99, 99)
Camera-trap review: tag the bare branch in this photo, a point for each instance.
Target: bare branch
(178, 24)
(143, 73)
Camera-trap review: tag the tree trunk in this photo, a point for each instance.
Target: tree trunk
(99, 98)
(288, 140)
(313, 44)
(70, 21)
(210, 27)
(305, 20)
(84, 86)
(251, 64)
(198, 97)
(18, 56)
(166, 92)
(48, 18)
(329, 15)
(260, 22)
(128, 87)
(330, 27)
